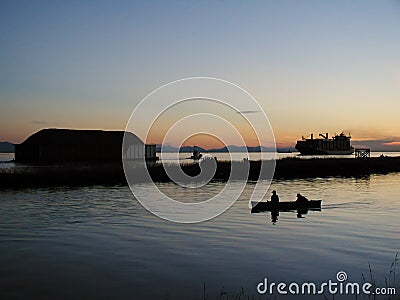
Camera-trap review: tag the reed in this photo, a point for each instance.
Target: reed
(111, 174)
(390, 281)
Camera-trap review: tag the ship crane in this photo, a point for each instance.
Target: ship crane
(324, 136)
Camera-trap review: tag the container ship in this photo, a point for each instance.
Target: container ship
(323, 145)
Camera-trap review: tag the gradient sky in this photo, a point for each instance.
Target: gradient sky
(314, 66)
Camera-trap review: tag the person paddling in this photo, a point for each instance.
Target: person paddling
(274, 197)
(301, 198)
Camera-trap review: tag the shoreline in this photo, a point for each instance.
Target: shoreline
(113, 174)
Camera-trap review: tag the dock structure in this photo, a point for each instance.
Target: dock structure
(362, 153)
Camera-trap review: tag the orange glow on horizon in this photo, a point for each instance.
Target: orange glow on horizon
(392, 144)
(284, 139)
(204, 141)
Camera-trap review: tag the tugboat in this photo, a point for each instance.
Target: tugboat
(196, 154)
(337, 145)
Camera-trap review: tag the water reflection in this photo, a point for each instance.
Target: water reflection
(300, 214)
(72, 237)
(274, 216)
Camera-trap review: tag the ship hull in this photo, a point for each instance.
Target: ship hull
(311, 151)
(337, 145)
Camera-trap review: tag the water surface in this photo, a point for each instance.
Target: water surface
(99, 242)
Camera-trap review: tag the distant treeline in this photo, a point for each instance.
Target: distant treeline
(232, 148)
(6, 147)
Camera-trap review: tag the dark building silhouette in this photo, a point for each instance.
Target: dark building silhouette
(95, 146)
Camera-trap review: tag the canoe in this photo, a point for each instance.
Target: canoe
(290, 205)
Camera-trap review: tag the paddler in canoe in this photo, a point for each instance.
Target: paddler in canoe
(301, 198)
(274, 197)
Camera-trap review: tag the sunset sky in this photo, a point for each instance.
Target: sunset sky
(314, 66)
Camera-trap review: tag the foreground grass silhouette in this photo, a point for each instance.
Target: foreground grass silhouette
(391, 280)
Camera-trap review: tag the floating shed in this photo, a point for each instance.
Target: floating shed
(94, 146)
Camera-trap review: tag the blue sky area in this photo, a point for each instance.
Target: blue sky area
(314, 66)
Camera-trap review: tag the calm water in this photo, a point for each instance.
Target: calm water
(99, 242)
(5, 157)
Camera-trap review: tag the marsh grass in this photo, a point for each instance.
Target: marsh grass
(111, 174)
(225, 295)
(390, 281)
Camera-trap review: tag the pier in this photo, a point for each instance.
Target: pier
(362, 153)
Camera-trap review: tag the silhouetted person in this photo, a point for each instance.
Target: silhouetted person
(274, 197)
(301, 199)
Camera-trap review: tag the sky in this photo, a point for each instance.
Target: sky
(313, 66)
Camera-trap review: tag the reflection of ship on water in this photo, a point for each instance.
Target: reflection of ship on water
(337, 145)
(196, 154)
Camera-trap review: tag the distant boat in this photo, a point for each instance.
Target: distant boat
(289, 205)
(338, 145)
(196, 154)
